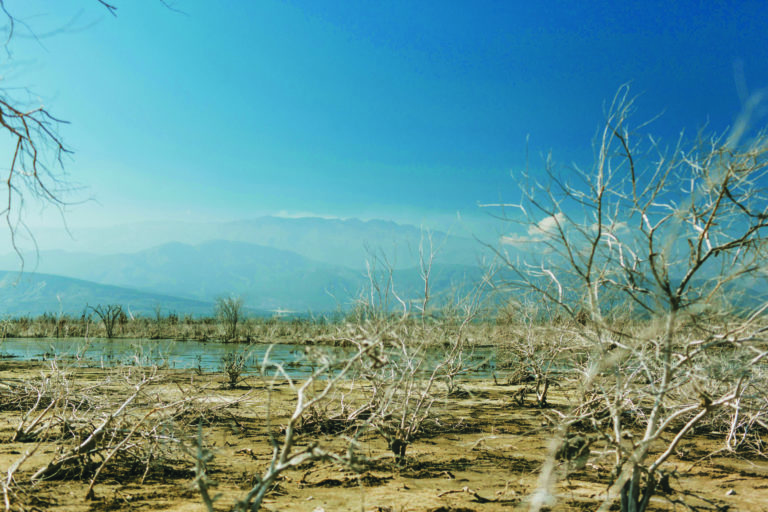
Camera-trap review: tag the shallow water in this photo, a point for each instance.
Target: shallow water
(204, 355)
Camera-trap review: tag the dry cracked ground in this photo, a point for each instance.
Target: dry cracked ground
(482, 453)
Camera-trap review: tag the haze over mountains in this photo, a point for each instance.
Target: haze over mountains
(336, 241)
(275, 264)
(301, 265)
(35, 294)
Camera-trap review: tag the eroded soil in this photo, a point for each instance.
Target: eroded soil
(483, 455)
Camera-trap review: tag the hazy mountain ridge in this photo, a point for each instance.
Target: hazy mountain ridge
(35, 294)
(189, 278)
(266, 278)
(334, 241)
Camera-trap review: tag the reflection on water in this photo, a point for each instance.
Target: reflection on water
(206, 356)
(203, 355)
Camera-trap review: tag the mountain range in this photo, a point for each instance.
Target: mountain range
(275, 264)
(35, 294)
(320, 275)
(345, 242)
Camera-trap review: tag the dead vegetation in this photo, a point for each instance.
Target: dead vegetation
(154, 440)
(630, 374)
(647, 256)
(125, 422)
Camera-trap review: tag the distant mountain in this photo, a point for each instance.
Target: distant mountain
(35, 294)
(333, 241)
(266, 278)
(350, 242)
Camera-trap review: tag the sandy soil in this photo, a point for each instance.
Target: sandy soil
(485, 457)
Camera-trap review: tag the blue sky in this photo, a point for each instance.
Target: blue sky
(411, 111)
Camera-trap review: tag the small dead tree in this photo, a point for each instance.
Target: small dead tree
(229, 311)
(458, 357)
(426, 261)
(401, 384)
(377, 302)
(535, 353)
(46, 403)
(402, 396)
(287, 453)
(234, 365)
(95, 433)
(93, 441)
(668, 238)
(109, 315)
(415, 356)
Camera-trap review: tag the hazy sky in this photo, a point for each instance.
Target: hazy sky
(392, 109)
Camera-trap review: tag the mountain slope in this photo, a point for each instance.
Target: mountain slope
(332, 241)
(265, 277)
(35, 294)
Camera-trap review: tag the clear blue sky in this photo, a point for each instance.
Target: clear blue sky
(398, 109)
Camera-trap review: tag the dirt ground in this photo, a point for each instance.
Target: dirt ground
(485, 456)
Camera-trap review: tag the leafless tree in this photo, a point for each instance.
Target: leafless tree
(229, 310)
(672, 239)
(377, 302)
(535, 351)
(234, 365)
(401, 385)
(289, 452)
(95, 432)
(35, 164)
(109, 314)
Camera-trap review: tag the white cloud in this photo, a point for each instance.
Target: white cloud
(536, 232)
(302, 214)
(546, 225)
